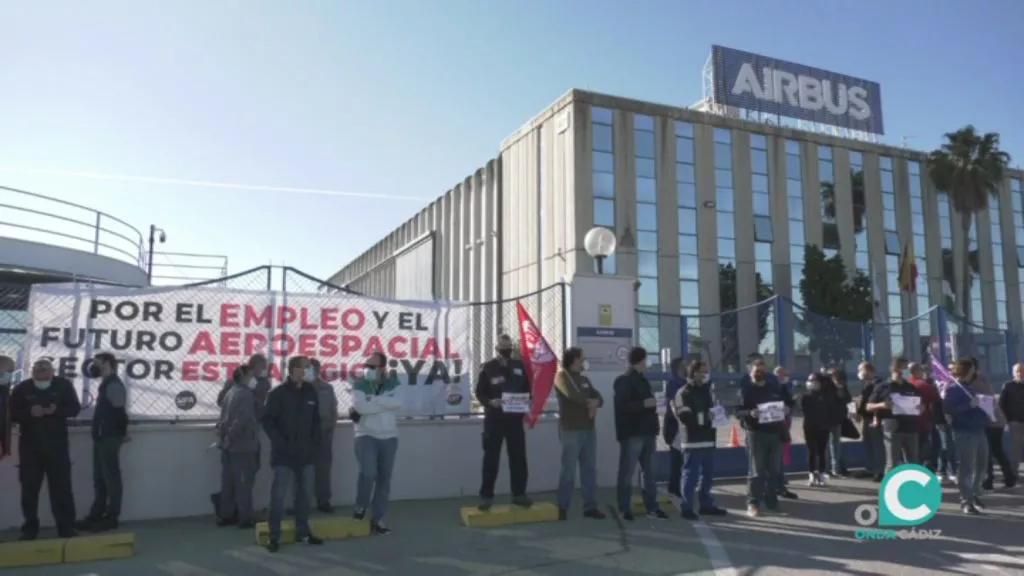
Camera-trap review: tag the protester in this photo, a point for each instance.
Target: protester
(969, 423)
(694, 407)
(503, 375)
(376, 402)
(41, 407)
(871, 429)
(943, 461)
(765, 423)
(292, 422)
(109, 431)
(578, 403)
(238, 438)
(328, 422)
(782, 375)
(929, 400)
(816, 405)
(1011, 403)
(896, 404)
(636, 427)
(670, 426)
(839, 398)
(994, 432)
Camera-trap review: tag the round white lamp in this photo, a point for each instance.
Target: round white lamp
(599, 243)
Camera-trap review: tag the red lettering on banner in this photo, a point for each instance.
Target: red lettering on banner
(329, 319)
(245, 344)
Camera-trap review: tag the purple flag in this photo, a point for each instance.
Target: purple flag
(943, 379)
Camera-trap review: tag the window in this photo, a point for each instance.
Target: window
(603, 156)
(763, 229)
(602, 138)
(604, 213)
(647, 219)
(687, 191)
(920, 244)
(759, 175)
(830, 208)
(689, 267)
(689, 294)
(892, 243)
(726, 222)
(646, 240)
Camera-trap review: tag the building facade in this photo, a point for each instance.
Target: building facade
(691, 194)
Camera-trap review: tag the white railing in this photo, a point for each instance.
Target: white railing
(34, 217)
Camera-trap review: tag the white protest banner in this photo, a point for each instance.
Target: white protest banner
(177, 346)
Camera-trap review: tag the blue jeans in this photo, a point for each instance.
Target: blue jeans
(874, 449)
(835, 451)
(698, 464)
(579, 450)
(279, 491)
(632, 451)
(376, 460)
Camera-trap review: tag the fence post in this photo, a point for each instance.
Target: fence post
(943, 335)
(781, 340)
(270, 278)
(564, 314)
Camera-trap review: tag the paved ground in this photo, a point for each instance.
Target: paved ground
(814, 536)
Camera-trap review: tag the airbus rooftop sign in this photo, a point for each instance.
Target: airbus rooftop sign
(754, 82)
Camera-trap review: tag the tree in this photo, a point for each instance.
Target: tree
(729, 319)
(838, 307)
(828, 200)
(968, 168)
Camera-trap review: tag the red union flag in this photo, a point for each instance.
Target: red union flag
(540, 362)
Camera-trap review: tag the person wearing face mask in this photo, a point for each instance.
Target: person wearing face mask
(694, 406)
(994, 432)
(578, 403)
(238, 438)
(503, 375)
(816, 406)
(871, 430)
(41, 407)
(969, 423)
(834, 387)
(636, 429)
(291, 419)
(765, 436)
(926, 422)
(328, 422)
(109, 430)
(376, 400)
(892, 403)
(670, 425)
(1011, 403)
(6, 377)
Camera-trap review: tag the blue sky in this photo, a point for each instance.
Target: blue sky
(406, 97)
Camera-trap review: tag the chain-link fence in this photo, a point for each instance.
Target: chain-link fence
(179, 345)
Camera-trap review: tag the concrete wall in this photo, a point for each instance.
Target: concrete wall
(58, 260)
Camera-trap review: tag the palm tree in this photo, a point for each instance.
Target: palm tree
(968, 168)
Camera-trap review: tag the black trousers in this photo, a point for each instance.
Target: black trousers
(508, 430)
(106, 477)
(53, 466)
(997, 454)
(817, 450)
(675, 472)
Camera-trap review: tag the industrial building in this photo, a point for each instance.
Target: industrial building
(686, 191)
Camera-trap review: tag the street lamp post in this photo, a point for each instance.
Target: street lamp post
(599, 244)
(153, 230)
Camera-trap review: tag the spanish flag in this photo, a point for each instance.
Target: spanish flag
(908, 269)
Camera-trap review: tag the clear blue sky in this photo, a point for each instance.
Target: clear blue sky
(408, 97)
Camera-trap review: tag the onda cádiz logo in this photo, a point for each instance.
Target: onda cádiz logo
(801, 91)
(909, 496)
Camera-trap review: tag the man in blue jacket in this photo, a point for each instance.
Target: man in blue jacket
(969, 423)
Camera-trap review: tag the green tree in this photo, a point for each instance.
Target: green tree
(838, 307)
(968, 168)
(729, 319)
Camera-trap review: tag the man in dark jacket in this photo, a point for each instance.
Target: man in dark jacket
(695, 410)
(238, 439)
(503, 388)
(109, 430)
(897, 404)
(763, 409)
(1011, 402)
(41, 407)
(636, 429)
(871, 428)
(838, 396)
(291, 420)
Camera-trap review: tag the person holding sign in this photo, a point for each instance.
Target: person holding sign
(636, 428)
(1011, 403)
(897, 405)
(376, 403)
(578, 403)
(698, 417)
(969, 423)
(763, 410)
(503, 388)
(41, 407)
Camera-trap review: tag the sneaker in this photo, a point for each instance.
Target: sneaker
(822, 482)
(379, 529)
(325, 507)
(658, 515)
(987, 484)
(978, 504)
(312, 540)
(789, 495)
(273, 546)
(595, 514)
(522, 501)
(85, 524)
(360, 514)
(753, 511)
(627, 516)
(563, 514)
(968, 509)
(1010, 482)
(689, 515)
(954, 480)
(484, 505)
(812, 480)
(712, 511)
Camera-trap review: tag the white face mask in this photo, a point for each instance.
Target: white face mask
(5, 378)
(310, 375)
(251, 383)
(372, 373)
(42, 384)
(586, 365)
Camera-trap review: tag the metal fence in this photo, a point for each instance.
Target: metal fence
(162, 400)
